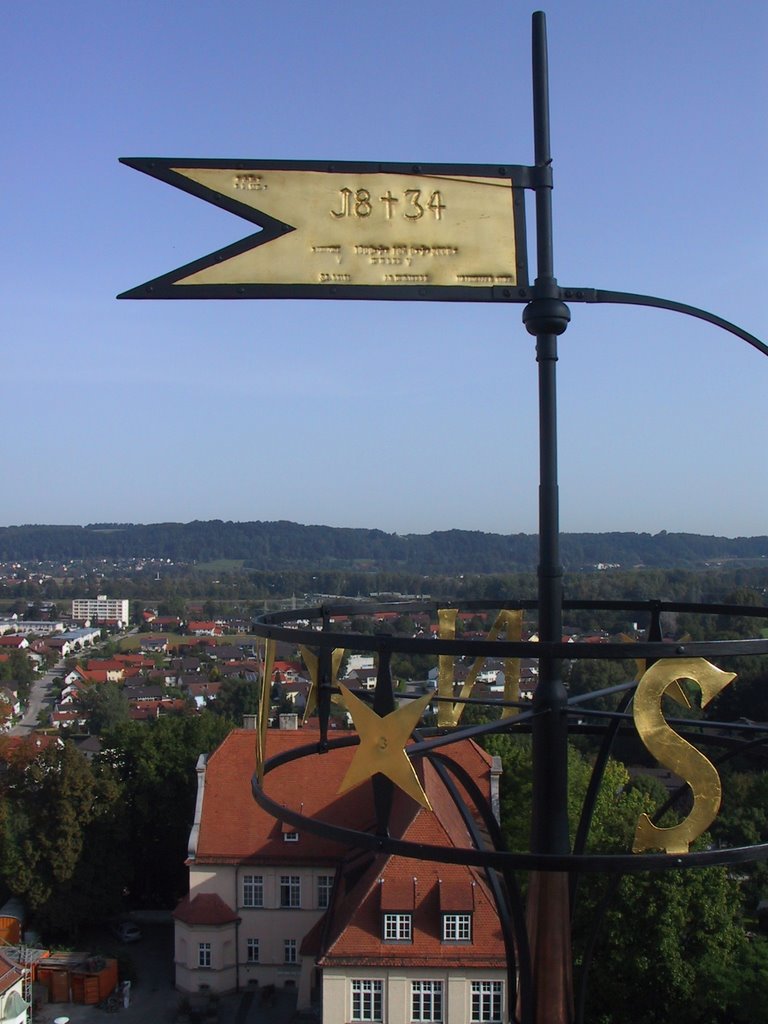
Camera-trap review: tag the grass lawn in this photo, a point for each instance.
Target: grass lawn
(130, 644)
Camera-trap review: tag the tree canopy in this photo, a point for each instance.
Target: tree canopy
(660, 946)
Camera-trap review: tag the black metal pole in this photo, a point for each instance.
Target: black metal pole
(546, 317)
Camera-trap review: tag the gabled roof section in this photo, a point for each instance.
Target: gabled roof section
(353, 934)
(10, 975)
(398, 892)
(456, 895)
(234, 829)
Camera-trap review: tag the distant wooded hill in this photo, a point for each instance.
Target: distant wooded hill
(286, 545)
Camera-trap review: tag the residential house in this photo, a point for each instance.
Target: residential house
(154, 644)
(171, 623)
(361, 678)
(283, 670)
(141, 710)
(144, 691)
(71, 718)
(134, 661)
(295, 693)
(9, 696)
(89, 747)
(14, 643)
(227, 652)
(204, 628)
(97, 676)
(13, 1006)
(380, 937)
(9, 623)
(115, 669)
(184, 665)
(201, 690)
(59, 647)
(231, 669)
(71, 693)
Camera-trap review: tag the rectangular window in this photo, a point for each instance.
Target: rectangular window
(324, 889)
(289, 951)
(367, 1002)
(397, 927)
(204, 954)
(457, 927)
(290, 891)
(290, 837)
(252, 954)
(253, 890)
(427, 1001)
(486, 1002)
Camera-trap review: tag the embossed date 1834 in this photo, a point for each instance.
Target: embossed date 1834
(411, 203)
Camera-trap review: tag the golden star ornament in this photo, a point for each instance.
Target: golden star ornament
(382, 745)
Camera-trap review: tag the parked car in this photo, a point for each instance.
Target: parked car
(126, 931)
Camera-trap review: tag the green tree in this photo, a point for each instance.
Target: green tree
(663, 936)
(589, 675)
(56, 807)
(18, 669)
(155, 762)
(106, 706)
(743, 821)
(236, 697)
(666, 939)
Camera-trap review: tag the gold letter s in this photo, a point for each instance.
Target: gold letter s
(674, 752)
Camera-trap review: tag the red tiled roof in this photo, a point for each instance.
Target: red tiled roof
(67, 716)
(457, 896)
(204, 909)
(141, 708)
(93, 675)
(355, 932)
(137, 660)
(398, 892)
(9, 973)
(234, 829)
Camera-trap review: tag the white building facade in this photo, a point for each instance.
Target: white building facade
(378, 938)
(101, 608)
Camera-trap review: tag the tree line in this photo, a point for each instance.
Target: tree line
(288, 545)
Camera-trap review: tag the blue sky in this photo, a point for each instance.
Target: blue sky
(408, 417)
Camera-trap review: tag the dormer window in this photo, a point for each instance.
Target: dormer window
(398, 927)
(290, 835)
(397, 902)
(457, 927)
(457, 903)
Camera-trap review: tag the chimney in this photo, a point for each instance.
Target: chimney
(249, 721)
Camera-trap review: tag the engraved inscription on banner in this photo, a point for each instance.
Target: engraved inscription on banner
(370, 229)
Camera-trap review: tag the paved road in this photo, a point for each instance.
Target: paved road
(40, 693)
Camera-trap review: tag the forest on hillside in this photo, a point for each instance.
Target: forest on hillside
(287, 545)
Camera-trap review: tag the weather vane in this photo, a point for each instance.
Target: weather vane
(437, 232)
